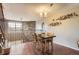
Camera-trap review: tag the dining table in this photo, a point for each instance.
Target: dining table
(46, 39)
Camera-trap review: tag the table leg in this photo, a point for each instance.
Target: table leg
(51, 47)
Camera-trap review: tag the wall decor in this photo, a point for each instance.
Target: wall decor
(55, 22)
(67, 16)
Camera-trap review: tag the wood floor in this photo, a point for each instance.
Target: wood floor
(27, 49)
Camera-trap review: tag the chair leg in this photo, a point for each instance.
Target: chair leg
(47, 47)
(43, 48)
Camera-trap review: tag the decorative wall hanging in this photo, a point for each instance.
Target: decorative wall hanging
(67, 16)
(56, 22)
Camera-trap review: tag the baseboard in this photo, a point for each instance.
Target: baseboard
(67, 46)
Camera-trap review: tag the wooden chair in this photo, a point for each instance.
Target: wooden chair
(36, 41)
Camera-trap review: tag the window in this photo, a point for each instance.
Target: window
(18, 25)
(15, 25)
(11, 24)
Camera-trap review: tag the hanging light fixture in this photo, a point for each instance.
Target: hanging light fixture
(43, 15)
(51, 4)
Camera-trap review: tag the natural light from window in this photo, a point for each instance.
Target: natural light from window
(14, 24)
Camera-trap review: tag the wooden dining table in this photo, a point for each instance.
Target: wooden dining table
(47, 39)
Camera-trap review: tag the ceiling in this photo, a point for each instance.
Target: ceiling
(31, 11)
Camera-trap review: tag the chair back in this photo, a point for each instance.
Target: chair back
(34, 37)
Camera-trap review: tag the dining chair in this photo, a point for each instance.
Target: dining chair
(37, 42)
(47, 45)
(34, 40)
